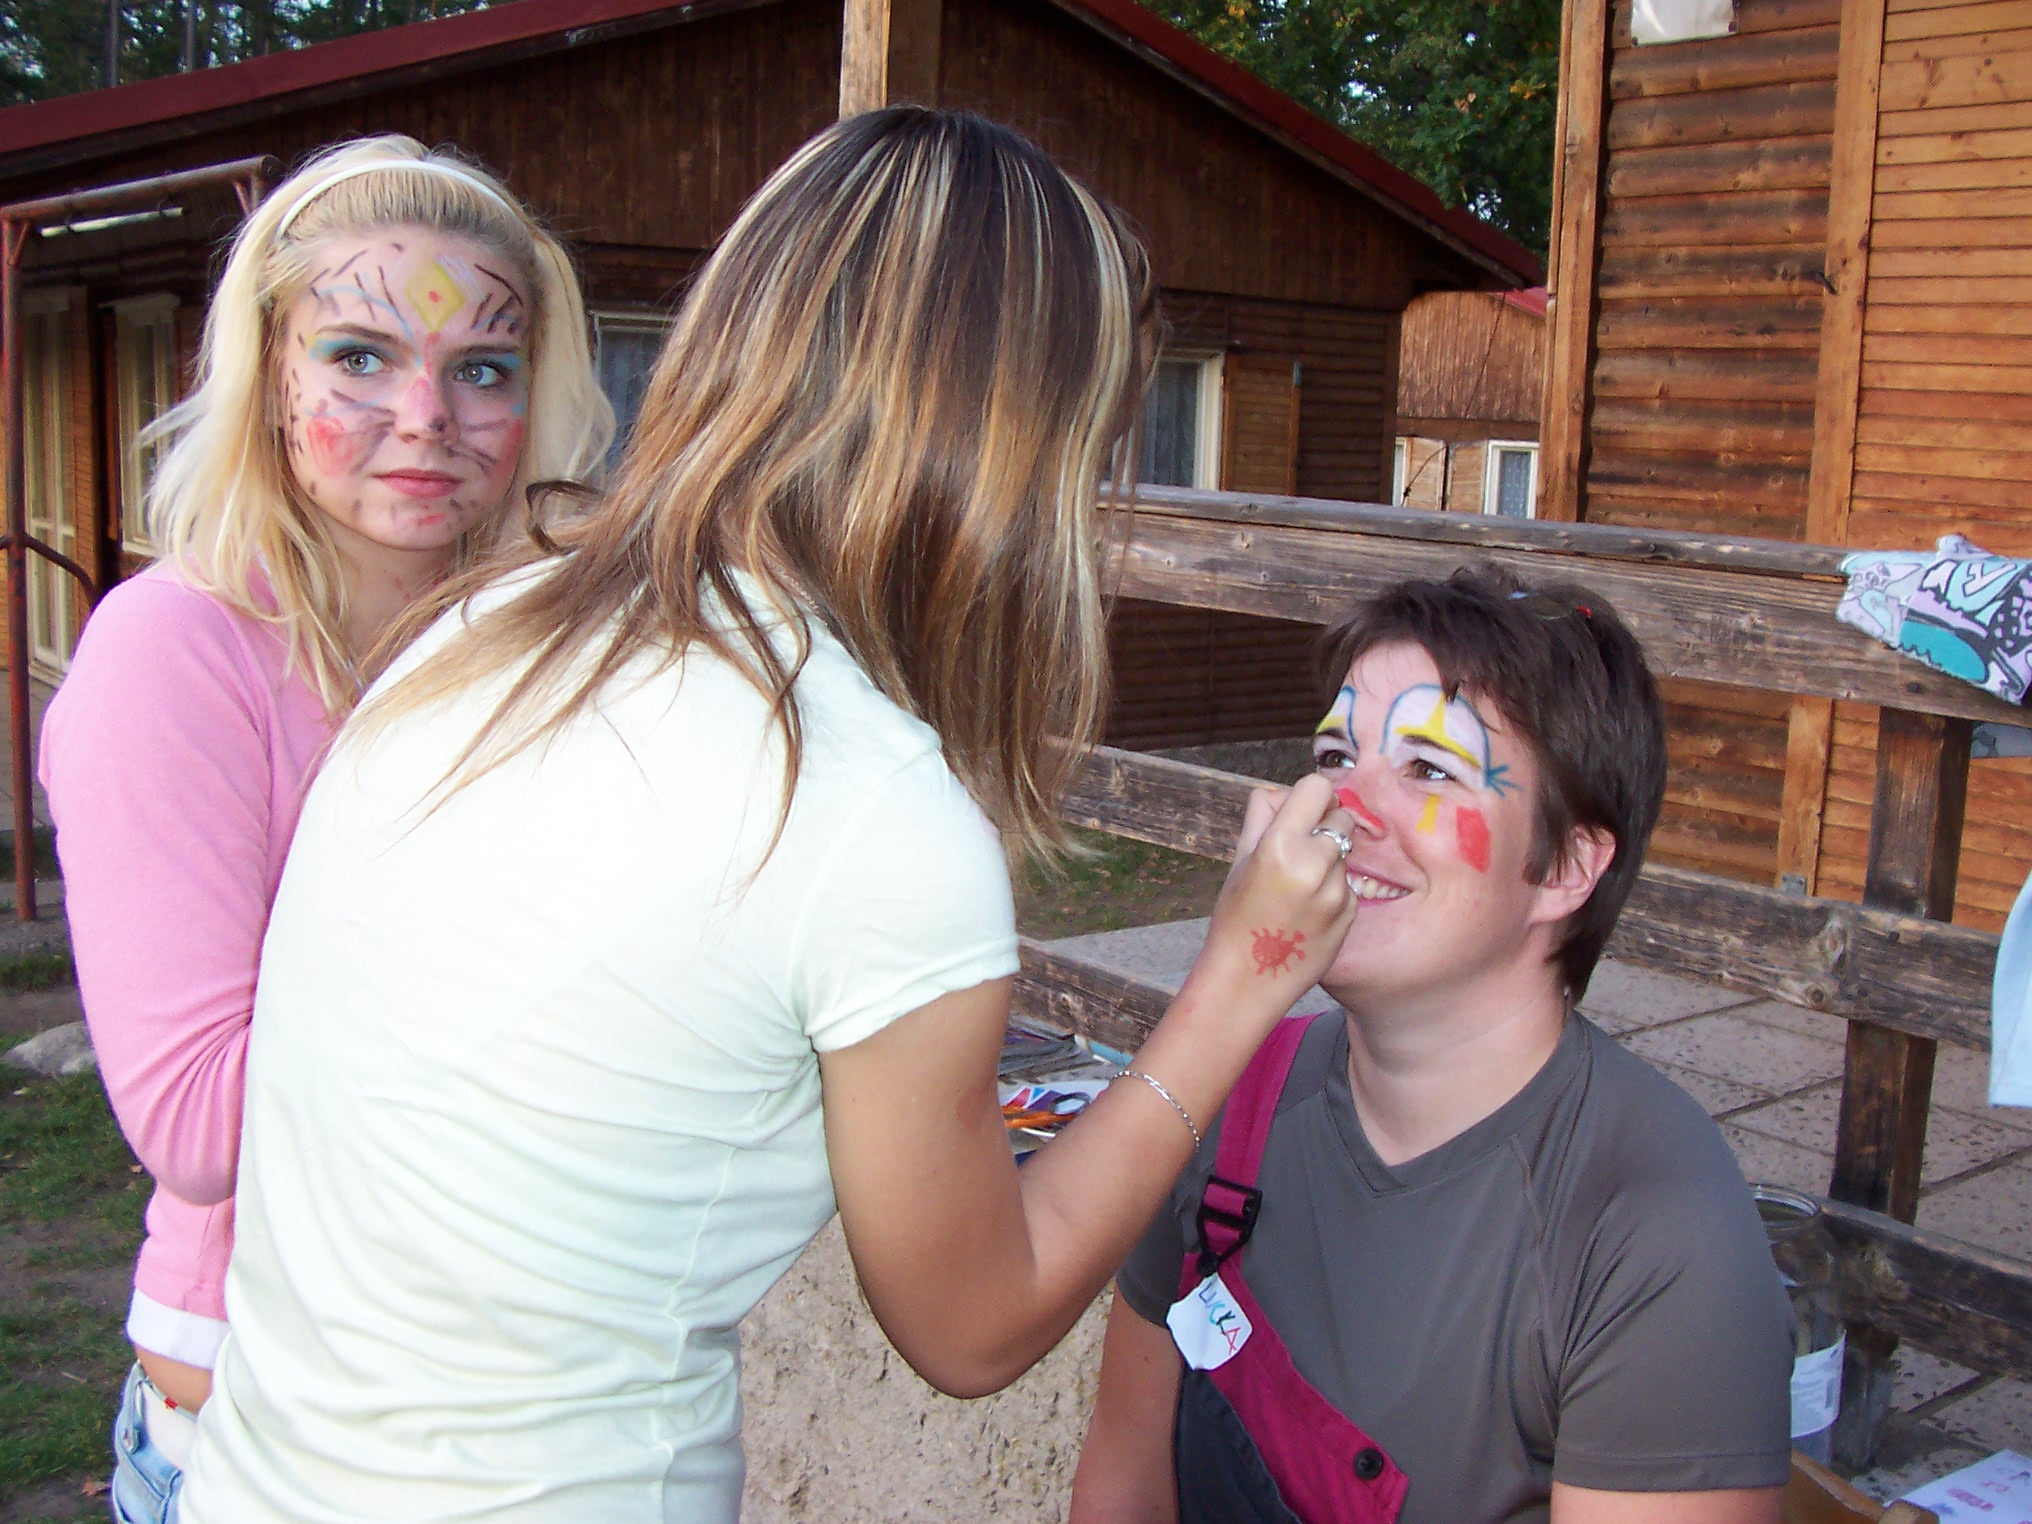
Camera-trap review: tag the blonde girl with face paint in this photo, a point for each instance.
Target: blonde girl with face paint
(536, 1115)
(395, 350)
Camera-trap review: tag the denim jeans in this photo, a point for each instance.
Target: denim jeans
(145, 1483)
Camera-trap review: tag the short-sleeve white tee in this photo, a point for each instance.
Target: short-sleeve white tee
(533, 1098)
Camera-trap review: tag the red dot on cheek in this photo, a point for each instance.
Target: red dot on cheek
(1471, 831)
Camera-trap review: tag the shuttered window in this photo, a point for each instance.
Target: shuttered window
(1260, 426)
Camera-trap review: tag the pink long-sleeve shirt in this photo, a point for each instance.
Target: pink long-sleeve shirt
(175, 757)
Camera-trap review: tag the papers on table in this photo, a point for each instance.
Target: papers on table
(1997, 1491)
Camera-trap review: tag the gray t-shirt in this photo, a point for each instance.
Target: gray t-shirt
(1575, 1287)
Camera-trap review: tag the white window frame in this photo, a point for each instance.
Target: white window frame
(1206, 455)
(136, 392)
(1492, 476)
(1400, 467)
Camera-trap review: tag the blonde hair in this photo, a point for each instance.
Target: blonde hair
(224, 506)
(890, 399)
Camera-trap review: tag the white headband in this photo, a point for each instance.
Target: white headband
(377, 166)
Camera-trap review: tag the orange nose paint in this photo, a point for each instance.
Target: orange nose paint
(1471, 831)
(1352, 803)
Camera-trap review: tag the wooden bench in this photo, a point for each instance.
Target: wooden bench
(1753, 613)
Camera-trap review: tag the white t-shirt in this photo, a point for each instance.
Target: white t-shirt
(533, 1097)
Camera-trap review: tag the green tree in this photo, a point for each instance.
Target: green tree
(56, 47)
(1460, 93)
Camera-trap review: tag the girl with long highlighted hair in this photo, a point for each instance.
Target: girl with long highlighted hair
(395, 351)
(656, 900)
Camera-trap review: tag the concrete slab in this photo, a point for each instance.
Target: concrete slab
(1716, 1096)
(1961, 1082)
(1997, 1417)
(1765, 1058)
(1773, 1161)
(1796, 1018)
(1955, 1142)
(1924, 1378)
(1624, 998)
(1993, 1209)
(1913, 1453)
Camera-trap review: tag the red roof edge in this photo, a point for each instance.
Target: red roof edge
(1409, 195)
(1531, 300)
(91, 113)
(94, 113)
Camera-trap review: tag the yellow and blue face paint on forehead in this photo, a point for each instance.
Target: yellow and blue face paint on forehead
(1340, 718)
(1424, 720)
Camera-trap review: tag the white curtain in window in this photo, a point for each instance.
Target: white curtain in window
(1681, 20)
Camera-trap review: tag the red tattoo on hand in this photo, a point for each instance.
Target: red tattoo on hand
(1275, 949)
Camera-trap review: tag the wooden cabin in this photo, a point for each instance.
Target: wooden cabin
(1791, 296)
(637, 127)
(1470, 378)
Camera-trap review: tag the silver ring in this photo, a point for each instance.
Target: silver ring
(1345, 843)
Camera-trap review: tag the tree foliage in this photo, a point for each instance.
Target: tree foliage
(56, 47)
(1460, 93)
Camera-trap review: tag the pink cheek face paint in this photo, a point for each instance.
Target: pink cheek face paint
(1352, 803)
(1471, 833)
(332, 450)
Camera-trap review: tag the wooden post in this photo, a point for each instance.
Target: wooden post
(1837, 394)
(1577, 173)
(1887, 1083)
(889, 53)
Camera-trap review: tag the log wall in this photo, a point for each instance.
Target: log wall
(1803, 333)
(1943, 397)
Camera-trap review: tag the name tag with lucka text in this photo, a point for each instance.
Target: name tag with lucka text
(1207, 1325)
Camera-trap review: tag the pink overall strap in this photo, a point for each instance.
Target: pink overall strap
(1229, 1204)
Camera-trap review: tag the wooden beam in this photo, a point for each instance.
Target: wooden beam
(1750, 630)
(1913, 975)
(1809, 746)
(1838, 382)
(1887, 1080)
(1837, 393)
(1578, 173)
(889, 54)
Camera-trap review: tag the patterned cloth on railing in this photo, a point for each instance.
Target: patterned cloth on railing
(1969, 614)
(1959, 609)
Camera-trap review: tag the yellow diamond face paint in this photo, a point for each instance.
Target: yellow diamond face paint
(436, 293)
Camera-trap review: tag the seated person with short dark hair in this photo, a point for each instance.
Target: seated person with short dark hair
(1455, 1257)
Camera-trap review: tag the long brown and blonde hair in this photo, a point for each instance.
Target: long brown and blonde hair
(889, 403)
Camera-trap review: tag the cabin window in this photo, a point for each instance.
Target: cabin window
(1399, 459)
(1182, 422)
(144, 360)
(1510, 482)
(46, 376)
(628, 344)
(1653, 21)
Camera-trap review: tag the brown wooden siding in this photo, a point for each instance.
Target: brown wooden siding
(1222, 206)
(1711, 248)
(1712, 243)
(1472, 354)
(1944, 410)
(1192, 677)
(651, 142)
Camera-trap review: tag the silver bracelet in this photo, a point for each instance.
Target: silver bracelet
(1172, 1100)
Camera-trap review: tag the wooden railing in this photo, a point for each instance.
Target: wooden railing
(1753, 613)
